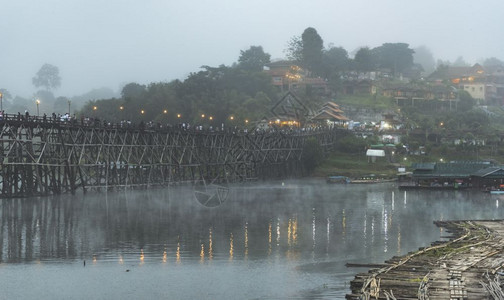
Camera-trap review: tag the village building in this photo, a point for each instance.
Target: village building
(407, 94)
(330, 115)
(485, 84)
(287, 75)
(358, 87)
(484, 175)
(289, 111)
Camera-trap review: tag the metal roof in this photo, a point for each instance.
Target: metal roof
(423, 166)
(497, 172)
(452, 169)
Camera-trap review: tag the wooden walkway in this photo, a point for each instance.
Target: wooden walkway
(457, 269)
(42, 157)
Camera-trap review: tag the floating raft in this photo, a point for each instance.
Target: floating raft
(468, 266)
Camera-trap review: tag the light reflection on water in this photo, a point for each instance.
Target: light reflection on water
(265, 241)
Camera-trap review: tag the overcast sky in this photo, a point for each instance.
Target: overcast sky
(106, 43)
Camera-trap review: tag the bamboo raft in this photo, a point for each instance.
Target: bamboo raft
(468, 266)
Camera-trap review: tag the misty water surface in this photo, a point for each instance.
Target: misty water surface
(267, 241)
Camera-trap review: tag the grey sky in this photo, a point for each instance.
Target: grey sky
(111, 42)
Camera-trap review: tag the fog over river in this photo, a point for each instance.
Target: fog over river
(266, 241)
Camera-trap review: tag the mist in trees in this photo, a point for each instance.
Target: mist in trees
(492, 61)
(47, 77)
(254, 59)
(425, 58)
(364, 60)
(397, 57)
(208, 97)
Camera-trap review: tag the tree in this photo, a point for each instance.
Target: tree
(443, 64)
(61, 105)
(47, 100)
(460, 62)
(424, 57)
(313, 45)
(6, 95)
(48, 77)
(352, 144)
(312, 154)
(294, 49)
(397, 57)
(335, 60)
(364, 60)
(493, 61)
(253, 59)
(466, 101)
(19, 104)
(132, 90)
(307, 50)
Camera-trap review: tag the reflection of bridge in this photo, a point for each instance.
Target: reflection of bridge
(40, 157)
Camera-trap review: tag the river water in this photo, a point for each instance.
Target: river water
(281, 240)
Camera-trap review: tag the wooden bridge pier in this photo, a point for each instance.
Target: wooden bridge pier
(52, 157)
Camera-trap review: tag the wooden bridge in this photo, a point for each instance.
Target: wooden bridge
(42, 157)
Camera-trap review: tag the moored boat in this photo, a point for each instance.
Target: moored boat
(372, 178)
(338, 179)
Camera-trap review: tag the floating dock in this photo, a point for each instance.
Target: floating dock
(470, 265)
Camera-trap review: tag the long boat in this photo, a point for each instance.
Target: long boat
(371, 178)
(338, 179)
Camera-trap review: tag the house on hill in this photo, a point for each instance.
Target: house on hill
(407, 94)
(286, 75)
(484, 84)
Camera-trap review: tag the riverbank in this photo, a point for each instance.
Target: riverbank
(354, 166)
(464, 267)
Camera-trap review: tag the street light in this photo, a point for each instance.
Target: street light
(95, 108)
(69, 102)
(1, 104)
(165, 111)
(38, 102)
(179, 115)
(142, 111)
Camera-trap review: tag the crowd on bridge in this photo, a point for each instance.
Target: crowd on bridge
(71, 120)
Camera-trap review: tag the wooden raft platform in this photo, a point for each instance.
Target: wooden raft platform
(468, 266)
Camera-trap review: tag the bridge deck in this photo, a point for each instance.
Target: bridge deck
(41, 156)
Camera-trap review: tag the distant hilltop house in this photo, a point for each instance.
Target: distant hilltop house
(485, 84)
(286, 76)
